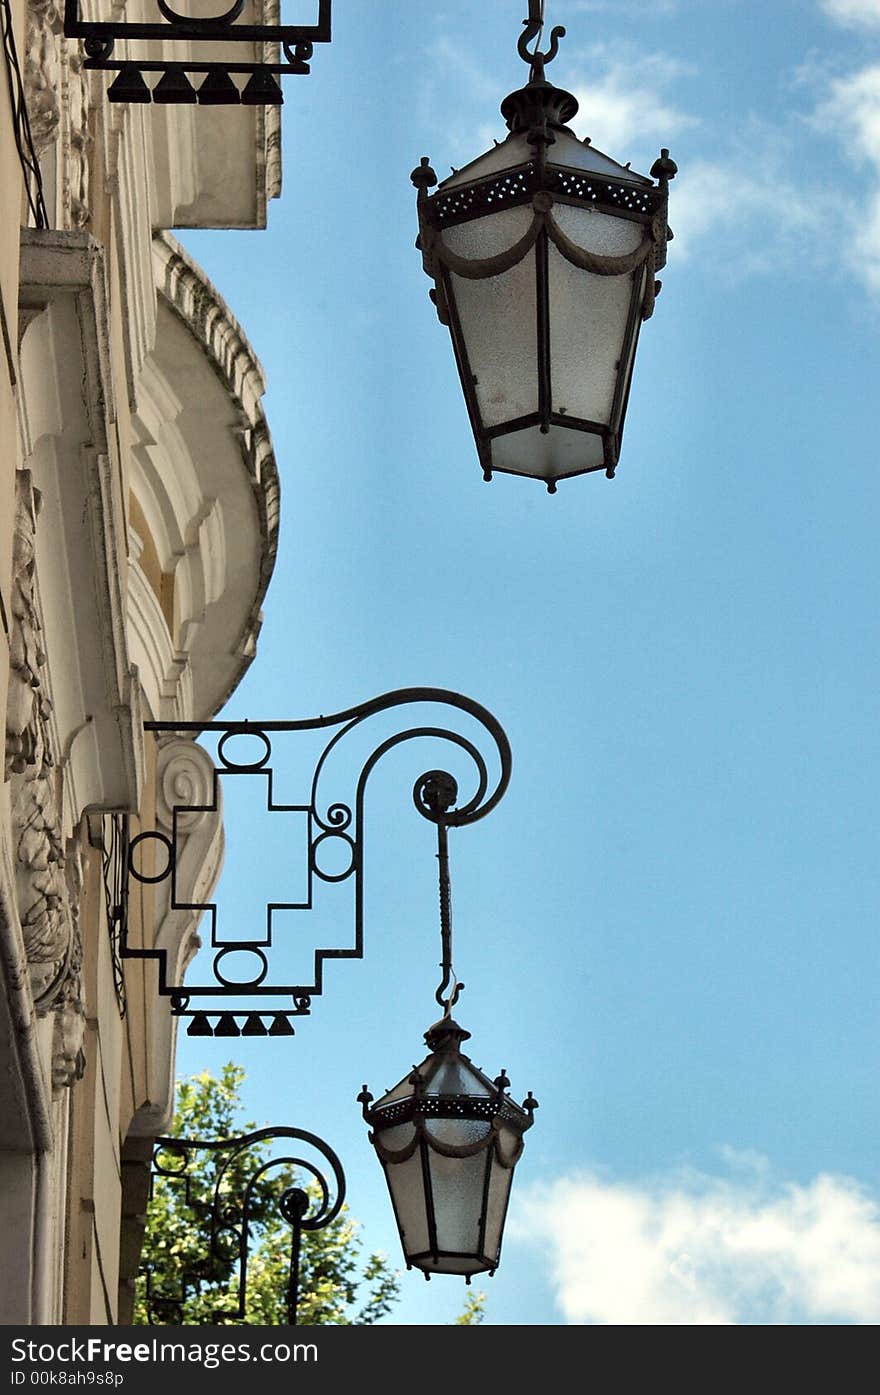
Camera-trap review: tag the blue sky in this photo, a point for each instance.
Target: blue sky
(668, 927)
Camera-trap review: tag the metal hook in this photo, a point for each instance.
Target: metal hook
(531, 30)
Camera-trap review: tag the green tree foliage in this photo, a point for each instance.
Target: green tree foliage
(473, 1312)
(337, 1286)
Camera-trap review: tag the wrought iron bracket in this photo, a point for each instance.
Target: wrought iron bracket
(253, 1000)
(228, 1212)
(284, 48)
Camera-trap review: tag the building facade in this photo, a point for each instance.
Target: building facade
(138, 526)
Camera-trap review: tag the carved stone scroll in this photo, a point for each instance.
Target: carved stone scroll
(27, 707)
(42, 72)
(58, 102)
(47, 879)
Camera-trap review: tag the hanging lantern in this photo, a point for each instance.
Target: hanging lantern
(449, 1138)
(446, 1135)
(544, 254)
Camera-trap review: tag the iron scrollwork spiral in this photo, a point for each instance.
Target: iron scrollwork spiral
(308, 1196)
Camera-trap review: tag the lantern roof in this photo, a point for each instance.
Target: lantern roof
(566, 150)
(446, 1074)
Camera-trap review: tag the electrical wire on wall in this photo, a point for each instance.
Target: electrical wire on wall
(114, 858)
(30, 165)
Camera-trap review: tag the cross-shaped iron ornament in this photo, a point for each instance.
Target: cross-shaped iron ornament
(255, 44)
(243, 995)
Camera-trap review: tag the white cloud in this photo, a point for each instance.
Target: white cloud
(757, 216)
(852, 108)
(615, 111)
(693, 1249)
(853, 12)
(851, 113)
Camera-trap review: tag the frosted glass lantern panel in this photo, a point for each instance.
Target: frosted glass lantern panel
(457, 1186)
(406, 1183)
(499, 325)
(458, 1133)
(575, 154)
(399, 1136)
(599, 232)
(561, 451)
(588, 326)
(496, 1208)
(513, 151)
(404, 1089)
(489, 236)
(452, 1077)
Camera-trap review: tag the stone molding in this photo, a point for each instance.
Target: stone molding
(48, 871)
(69, 432)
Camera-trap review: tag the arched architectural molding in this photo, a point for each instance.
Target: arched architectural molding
(204, 477)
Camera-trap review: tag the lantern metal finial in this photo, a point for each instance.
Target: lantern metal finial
(445, 1035)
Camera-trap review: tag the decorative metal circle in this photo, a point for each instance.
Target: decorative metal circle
(98, 48)
(159, 876)
(434, 794)
(229, 1213)
(542, 201)
(293, 1205)
(243, 765)
(298, 53)
(252, 982)
(165, 1155)
(333, 839)
(310, 1212)
(227, 1242)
